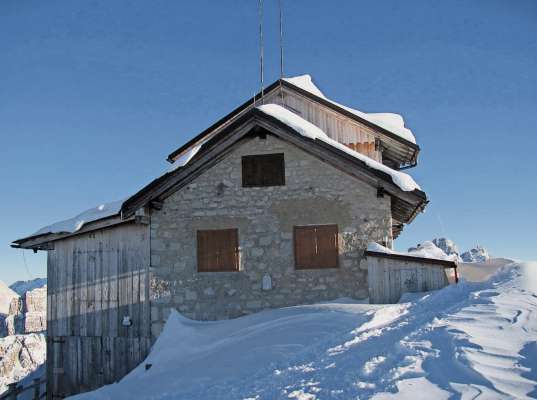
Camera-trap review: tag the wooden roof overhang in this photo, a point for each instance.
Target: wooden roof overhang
(397, 150)
(405, 204)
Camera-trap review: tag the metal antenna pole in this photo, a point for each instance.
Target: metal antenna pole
(261, 46)
(281, 40)
(281, 52)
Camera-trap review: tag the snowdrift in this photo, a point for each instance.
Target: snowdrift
(459, 342)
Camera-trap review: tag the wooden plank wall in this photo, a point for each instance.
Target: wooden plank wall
(94, 280)
(342, 129)
(389, 279)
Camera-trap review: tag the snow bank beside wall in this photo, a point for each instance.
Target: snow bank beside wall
(463, 341)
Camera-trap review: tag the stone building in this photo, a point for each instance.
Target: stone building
(271, 206)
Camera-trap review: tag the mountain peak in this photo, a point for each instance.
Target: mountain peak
(22, 287)
(6, 295)
(476, 255)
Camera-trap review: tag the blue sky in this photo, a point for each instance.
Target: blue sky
(94, 95)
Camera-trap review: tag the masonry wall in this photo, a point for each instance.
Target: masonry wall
(315, 193)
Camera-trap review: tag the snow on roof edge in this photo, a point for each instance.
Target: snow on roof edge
(390, 121)
(426, 250)
(76, 223)
(306, 82)
(404, 181)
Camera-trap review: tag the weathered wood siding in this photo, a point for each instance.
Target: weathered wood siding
(388, 279)
(340, 128)
(94, 281)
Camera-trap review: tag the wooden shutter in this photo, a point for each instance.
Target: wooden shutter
(218, 250)
(316, 246)
(327, 248)
(263, 170)
(305, 248)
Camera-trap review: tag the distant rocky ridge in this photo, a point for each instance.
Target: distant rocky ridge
(24, 313)
(20, 355)
(23, 322)
(448, 247)
(27, 313)
(430, 250)
(475, 255)
(21, 287)
(6, 295)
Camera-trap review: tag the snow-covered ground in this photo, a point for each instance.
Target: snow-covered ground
(470, 339)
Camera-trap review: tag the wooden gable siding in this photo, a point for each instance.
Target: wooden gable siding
(94, 280)
(338, 127)
(396, 151)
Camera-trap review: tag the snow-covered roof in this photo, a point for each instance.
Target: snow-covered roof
(76, 223)
(187, 155)
(307, 129)
(425, 250)
(389, 121)
(295, 122)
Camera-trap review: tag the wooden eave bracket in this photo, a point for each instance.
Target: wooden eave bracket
(141, 216)
(156, 204)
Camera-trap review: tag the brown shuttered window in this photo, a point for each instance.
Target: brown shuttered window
(218, 250)
(316, 246)
(263, 170)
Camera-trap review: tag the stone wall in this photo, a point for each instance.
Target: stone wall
(315, 193)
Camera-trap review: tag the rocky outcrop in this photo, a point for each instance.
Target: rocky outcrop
(27, 313)
(6, 295)
(19, 356)
(448, 246)
(441, 246)
(476, 255)
(23, 350)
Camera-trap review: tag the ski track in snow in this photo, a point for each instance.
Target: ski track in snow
(472, 340)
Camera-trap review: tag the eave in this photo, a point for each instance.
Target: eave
(45, 241)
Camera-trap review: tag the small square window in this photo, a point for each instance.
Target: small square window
(263, 170)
